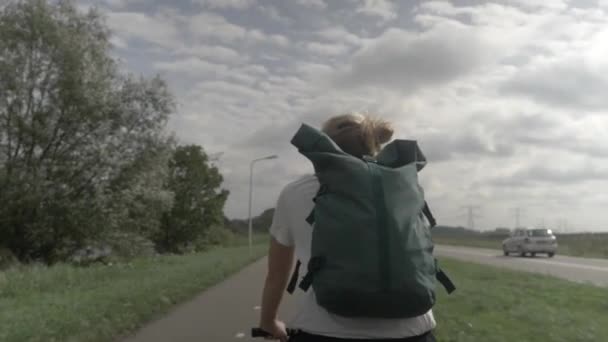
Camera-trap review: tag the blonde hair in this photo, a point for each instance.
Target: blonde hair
(358, 134)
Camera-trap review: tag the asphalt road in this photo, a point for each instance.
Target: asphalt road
(584, 270)
(227, 312)
(224, 313)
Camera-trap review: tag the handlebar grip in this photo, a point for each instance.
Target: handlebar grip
(258, 332)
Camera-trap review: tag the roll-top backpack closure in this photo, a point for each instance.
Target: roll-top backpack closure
(323, 152)
(309, 139)
(402, 152)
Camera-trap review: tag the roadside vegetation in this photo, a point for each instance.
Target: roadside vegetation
(106, 219)
(89, 171)
(104, 302)
(492, 304)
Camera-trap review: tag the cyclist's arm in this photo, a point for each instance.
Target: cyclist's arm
(280, 260)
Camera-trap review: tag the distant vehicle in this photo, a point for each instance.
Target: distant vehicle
(532, 241)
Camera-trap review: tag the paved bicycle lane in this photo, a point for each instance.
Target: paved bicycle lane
(223, 313)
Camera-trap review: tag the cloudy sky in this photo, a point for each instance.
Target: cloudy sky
(507, 99)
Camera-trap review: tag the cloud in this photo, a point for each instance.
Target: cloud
(193, 66)
(115, 3)
(226, 4)
(383, 9)
(274, 14)
(505, 98)
(404, 61)
(470, 144)
(160, 29)
(228, 89)
(541, 4)
(571, 82)
(564, 175)
(326, 49)
(312, 70)
(213, 53)
(581, 136)
(338, 34)
(118, 42)
(213, 26)
(313, 4)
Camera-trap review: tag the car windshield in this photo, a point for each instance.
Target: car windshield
(540, 232)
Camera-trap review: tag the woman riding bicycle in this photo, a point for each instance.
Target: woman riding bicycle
(359, 136)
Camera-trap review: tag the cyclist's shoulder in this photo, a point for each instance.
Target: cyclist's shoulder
(302, 189)
(305, 182)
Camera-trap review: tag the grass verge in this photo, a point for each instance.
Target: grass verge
(101, 303)
(493, 304)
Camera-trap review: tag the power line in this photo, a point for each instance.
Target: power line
(471, 215)
(518, 214)
(562, 225)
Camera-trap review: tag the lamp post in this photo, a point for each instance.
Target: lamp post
(251, 196)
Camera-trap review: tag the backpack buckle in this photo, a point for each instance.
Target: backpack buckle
(314, 265)
(369, 159)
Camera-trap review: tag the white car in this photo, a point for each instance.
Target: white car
(532, 241)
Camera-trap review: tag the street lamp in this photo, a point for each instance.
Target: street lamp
(251, 196)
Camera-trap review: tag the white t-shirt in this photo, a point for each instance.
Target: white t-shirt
(289, 228)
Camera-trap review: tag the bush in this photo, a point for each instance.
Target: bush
(97, 132)
(126, 245)
(91, 254)
(117, 246)
(7, 259)
(214, 236)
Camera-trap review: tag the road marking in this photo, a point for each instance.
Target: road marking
(257, 308)
(240, 335)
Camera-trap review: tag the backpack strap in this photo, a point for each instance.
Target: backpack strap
(444, 280)
(315, 264)
(429, 216)
(323, 189)
(310, 219)
(294, 278)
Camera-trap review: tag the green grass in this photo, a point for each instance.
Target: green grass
(584, 245)
(580, 245)
(469, 242)
(101, 303)
(493, 304)
(242, 240)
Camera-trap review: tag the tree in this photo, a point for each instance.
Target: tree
(75, 134)
(259, 224)
(198, 203)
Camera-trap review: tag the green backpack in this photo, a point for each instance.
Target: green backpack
(372, 252)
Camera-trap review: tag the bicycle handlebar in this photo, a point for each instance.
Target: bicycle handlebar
(259, 332)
